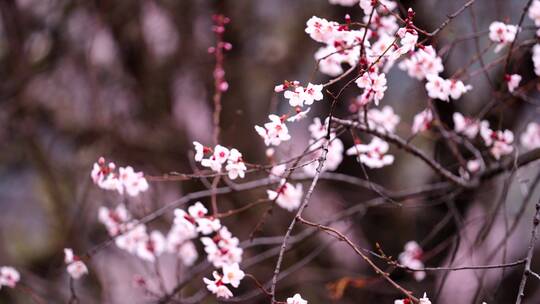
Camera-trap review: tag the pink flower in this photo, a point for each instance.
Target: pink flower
(274, 132)
(457, 88)
(131, 239)
(207, 225)
(335, 148)
(178, 243)
(222, 249)
(373, 155)
(317, 129)
(409, 38)
(423, 62)
(235, 165)
(152, 247)
(321, 30)
(534, 12)
(384, 120)
(367, 5)
(278, 171)
(437, 87)
(344, 2)
(530, 139)
(301, 95)
(199, 151)
(299, 115)
(411, 258)
(422, 121)
(502, 34)
(9, 276)
(500, 142)
(424, 300)
(217, 286)
(288, 196)
(75, 267)
(133, 182)
(465, 125)
(232, 274)
(114, 220)
(374, 85)
(512, 81)
(296, 299)
(536, 59)
(105, 177)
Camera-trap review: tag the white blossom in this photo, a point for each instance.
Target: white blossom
(217, 286)
(296, 299)
(274, 132)
(232, 274)
(9, 276)
(373, 155)
(422, 121)
(465, 125)
(289, 197)
(512, 81)
(502, 34)
(530, 139)
(75, 267)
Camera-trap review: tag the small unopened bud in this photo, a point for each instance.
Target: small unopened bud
(410, 13)
(348, 19)
(223, 86)
(227, 46)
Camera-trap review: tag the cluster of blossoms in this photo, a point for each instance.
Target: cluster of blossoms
(411, 257)
(275, 131)
(384, 120)
(125, 180)
(218, 156)
(221, 247)
(512, 81)
(373, 155)
(231, 275)
(374, 85)
(500, 142)
(75, 266)
(423, 300)
(422, 62)
(9, 276)
(222, 250)
(133, 237)
(444, 89)
(341, 44)
(502, 34)
(130, 235)
(301, 96)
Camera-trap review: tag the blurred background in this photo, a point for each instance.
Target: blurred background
(132, 81)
